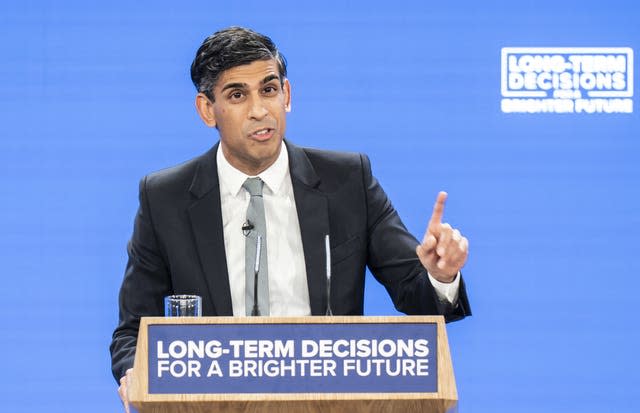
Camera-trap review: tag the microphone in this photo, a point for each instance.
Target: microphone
(256, 309)
(247, 227)
(327, 249)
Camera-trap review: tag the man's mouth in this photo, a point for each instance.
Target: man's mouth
(262, 134)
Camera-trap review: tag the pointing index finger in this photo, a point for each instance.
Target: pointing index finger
(438, 211)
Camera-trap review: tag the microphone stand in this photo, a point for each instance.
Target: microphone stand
(327, 249)
(256, 309)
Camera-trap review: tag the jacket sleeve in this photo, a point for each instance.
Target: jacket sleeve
(392, 260)
(146, 282)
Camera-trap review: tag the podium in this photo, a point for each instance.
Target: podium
(293, 364)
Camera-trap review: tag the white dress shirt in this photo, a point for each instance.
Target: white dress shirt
(288, 291)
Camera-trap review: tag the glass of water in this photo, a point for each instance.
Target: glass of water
(183, 306)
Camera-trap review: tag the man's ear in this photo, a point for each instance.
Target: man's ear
(204, 106)
(286, 87)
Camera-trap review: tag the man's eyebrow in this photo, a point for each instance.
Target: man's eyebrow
(269, 78)
(234, 86)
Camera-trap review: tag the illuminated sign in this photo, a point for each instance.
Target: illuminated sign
(567, 80)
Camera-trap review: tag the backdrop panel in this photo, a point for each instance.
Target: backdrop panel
(94, 96)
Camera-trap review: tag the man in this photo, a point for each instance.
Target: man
(191, 231)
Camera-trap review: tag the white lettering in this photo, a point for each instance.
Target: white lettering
(285, 349)
(163, 365)
(213, 349)
(309, 348)
(178, 349)
(422, 348)
(422, 367)
(214, 369)
(161, 352)
(235, 368)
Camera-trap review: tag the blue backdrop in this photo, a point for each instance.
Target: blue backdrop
(94, 96)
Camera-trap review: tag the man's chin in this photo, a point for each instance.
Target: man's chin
(268, 147)
(266, 154)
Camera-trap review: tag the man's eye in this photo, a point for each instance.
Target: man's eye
(270, 90)
(236, 95)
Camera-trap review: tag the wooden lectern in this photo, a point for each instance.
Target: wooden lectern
(444, 400)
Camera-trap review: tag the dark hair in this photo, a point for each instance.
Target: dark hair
(228, 48)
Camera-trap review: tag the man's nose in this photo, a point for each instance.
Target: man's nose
(257, 109)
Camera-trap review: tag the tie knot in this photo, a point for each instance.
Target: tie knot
(253, 186)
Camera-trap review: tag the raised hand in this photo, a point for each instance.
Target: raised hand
(444, 250)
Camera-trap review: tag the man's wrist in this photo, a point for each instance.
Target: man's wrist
(446, 291)
(444, 279)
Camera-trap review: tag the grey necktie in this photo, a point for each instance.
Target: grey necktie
(255, 217)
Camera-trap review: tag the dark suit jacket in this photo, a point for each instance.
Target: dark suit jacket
(177, 246)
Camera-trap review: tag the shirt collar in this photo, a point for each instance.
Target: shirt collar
(231, 179)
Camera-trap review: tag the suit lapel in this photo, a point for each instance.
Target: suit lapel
(313, 216)
(206, 222)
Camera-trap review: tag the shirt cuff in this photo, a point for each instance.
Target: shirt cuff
(446, 291)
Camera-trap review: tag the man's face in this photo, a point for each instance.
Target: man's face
(250, 113)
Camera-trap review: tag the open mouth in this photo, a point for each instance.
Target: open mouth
(262, 134)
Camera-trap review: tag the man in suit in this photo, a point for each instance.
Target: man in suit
(188, 235)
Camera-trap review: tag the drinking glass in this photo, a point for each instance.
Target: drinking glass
(183, 306)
